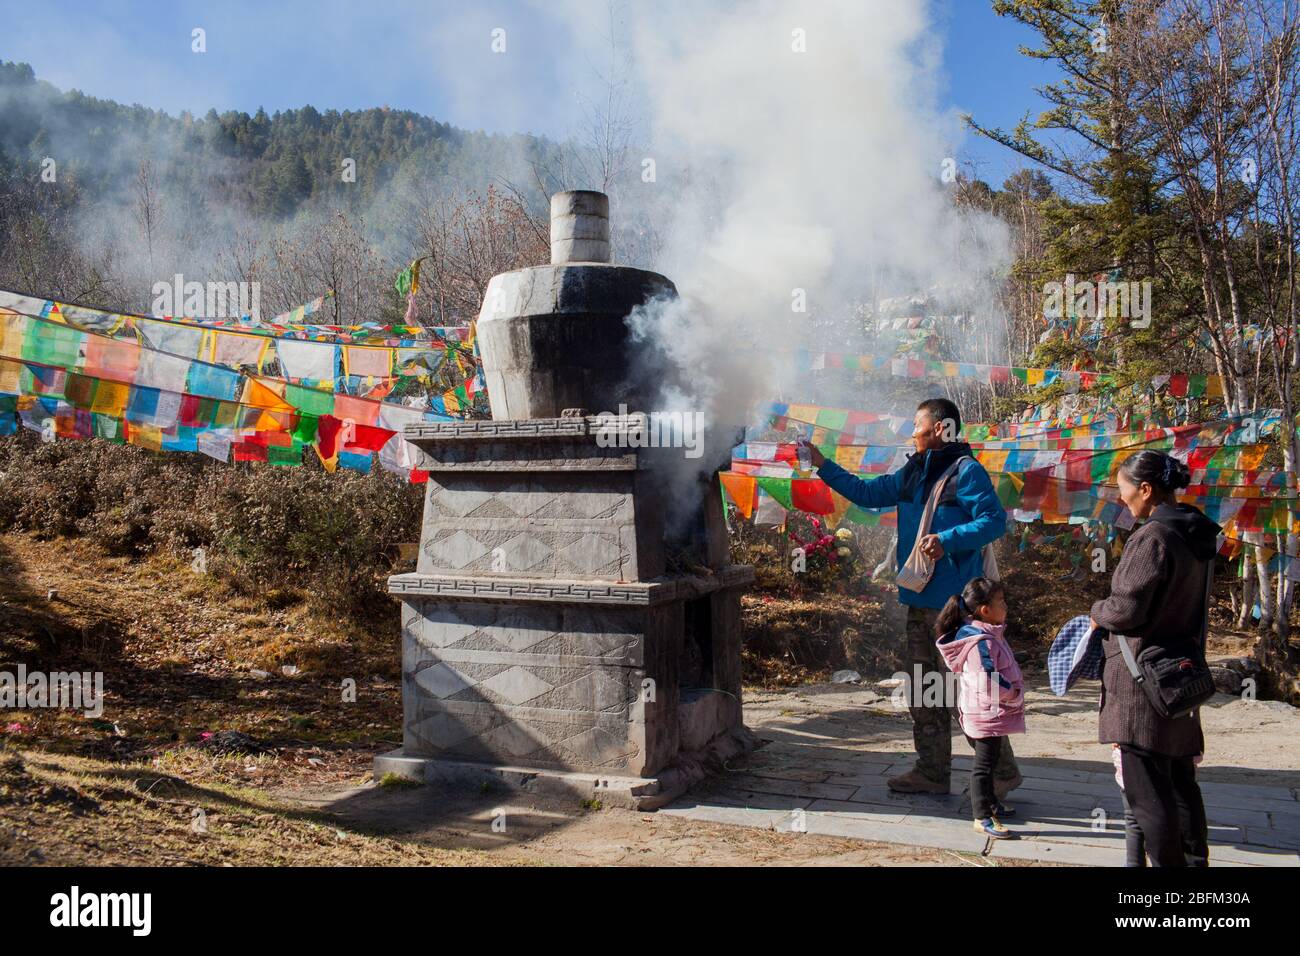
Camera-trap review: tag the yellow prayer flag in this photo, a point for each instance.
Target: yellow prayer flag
(849, 457)
(9, 377)
(110, 398)
(146, 436)
(12, 329)
(993, 461)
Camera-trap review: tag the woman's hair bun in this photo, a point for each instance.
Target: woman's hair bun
(1157, 469)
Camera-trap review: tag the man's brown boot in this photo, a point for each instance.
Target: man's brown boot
(916, 782)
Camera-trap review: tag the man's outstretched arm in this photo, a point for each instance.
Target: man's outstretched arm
(879, 492)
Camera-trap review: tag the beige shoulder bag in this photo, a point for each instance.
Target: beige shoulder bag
(917, 570)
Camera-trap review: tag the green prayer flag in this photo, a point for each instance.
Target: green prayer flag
(310, 401)
(778, 488)
(290, 456)
(832, 418)
(305, 430)
(50, 344)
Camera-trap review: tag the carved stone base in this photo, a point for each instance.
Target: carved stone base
(633, 793)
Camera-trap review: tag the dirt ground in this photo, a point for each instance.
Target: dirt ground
(183, 659)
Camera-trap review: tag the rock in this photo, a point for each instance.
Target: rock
(260, 675)
(845, 677)
(232, 742)
(1226, 680)
(1246, 666)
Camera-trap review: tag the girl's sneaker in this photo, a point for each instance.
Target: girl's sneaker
(1000, 810)
(994, 830)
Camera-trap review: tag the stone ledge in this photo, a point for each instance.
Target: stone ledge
(634, 793)
(623, 594)
(486, 430)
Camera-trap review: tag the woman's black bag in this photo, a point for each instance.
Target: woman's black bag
(1176, 684)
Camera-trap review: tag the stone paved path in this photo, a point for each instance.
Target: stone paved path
(829, 750)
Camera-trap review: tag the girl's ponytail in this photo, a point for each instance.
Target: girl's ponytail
(951, 617)
(978, 592)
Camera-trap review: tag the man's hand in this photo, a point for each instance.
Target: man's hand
(815, 456)
(931, 548)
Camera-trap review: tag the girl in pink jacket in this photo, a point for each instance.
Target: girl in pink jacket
(990, 691)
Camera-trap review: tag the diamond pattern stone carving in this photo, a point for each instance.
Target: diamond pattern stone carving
(531, 622)
(516, 685)
(511, 630)
(441, 627)
(593, 554)
(459, 502)
(516, 739)
(599, 747)
(441, 680)
(524, 552)
(457, 550)
(443, 730)
(596, 691)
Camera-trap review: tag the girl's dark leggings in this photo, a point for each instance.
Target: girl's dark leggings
(982, 797)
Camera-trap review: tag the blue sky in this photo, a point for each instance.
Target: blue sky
(431, 57)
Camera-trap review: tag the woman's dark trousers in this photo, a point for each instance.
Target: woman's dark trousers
(1164, 797)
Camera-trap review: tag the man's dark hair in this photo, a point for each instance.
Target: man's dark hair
(941, 410)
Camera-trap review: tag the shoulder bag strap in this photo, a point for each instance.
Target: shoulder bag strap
(1127, 653)
(932, 502)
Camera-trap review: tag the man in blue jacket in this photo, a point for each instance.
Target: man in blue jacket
(969, 516)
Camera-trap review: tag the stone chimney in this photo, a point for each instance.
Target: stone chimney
(579, 227)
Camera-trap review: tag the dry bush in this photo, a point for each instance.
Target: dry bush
(262, 528)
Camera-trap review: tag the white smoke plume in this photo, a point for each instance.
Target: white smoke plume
(798, 150)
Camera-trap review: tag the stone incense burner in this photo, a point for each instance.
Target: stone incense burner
(554, 636)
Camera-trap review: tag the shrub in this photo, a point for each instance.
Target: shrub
(332, 535)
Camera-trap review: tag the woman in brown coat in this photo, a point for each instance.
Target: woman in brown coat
(1157, 597)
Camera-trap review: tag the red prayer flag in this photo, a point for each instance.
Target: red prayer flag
(811, 494)
(248, 451)
(368, 438)
(327, 434)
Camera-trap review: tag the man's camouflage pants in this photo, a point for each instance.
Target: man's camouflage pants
(932, 724)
